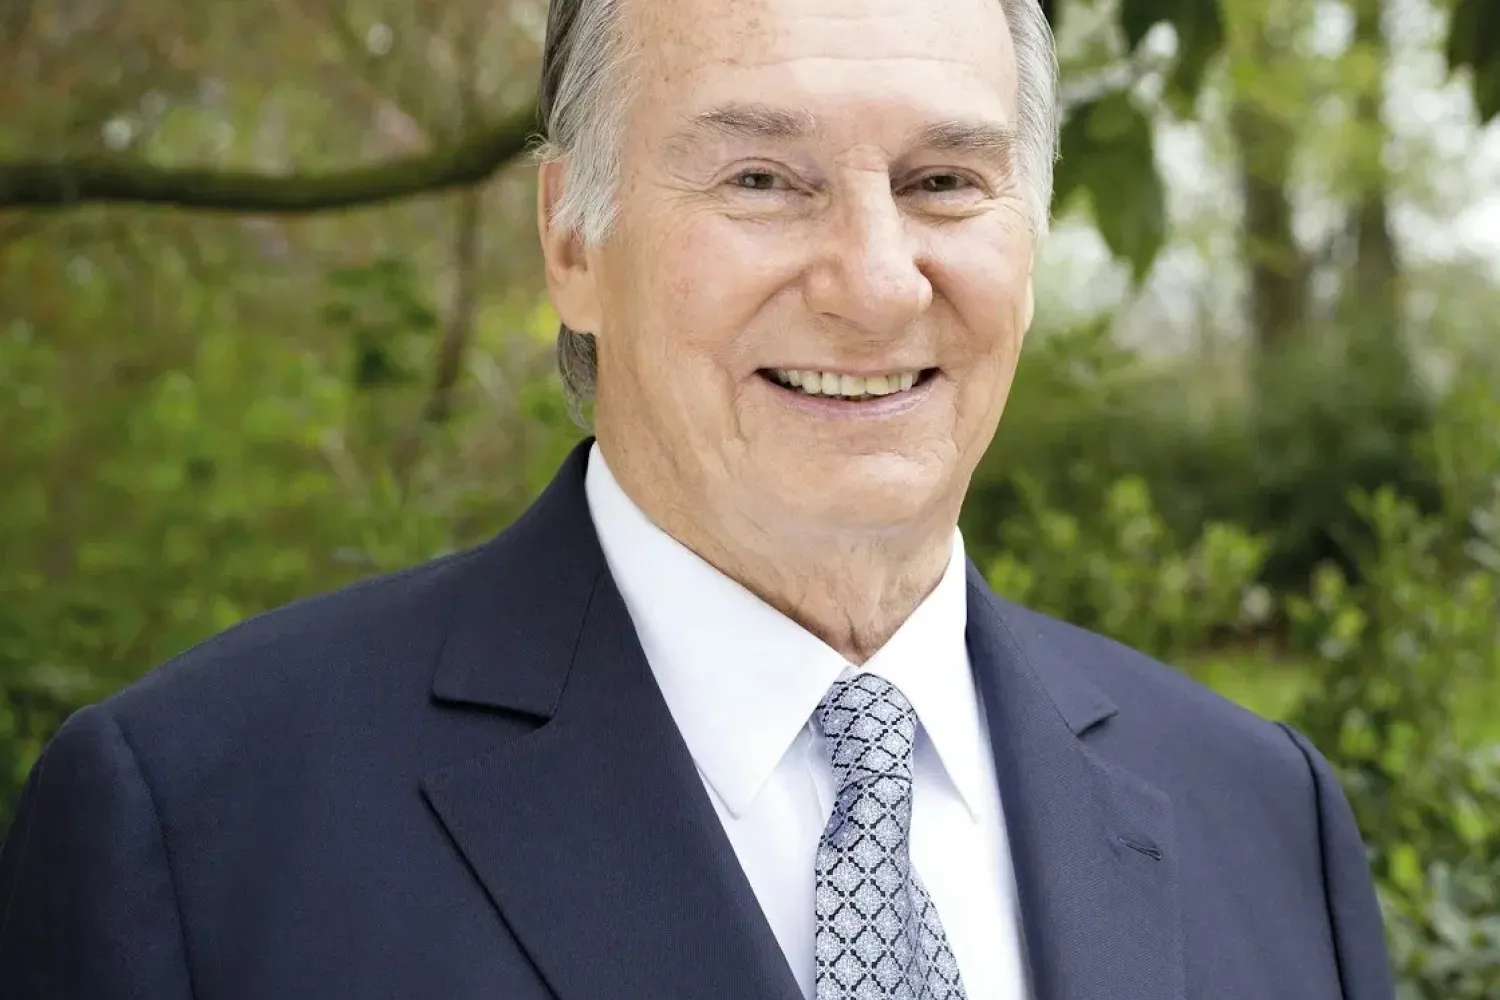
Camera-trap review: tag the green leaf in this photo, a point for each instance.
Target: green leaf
(1109, 152)
(1199, 25)
(1200, 37)
(1075, 147)
(1137, 17)
(1474, 41)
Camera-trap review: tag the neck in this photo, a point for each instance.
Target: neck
(853, 596)
(851, 591)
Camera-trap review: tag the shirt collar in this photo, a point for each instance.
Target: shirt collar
(742, 680)
(928, 661)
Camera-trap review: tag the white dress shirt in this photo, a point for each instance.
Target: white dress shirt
(742, 682)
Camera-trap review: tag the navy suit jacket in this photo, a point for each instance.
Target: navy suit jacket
(461, 782)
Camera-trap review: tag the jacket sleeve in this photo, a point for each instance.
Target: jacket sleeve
(88, 909)
(1353, 909)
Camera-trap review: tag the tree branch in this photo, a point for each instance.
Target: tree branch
(42, 184)
(1125, 74)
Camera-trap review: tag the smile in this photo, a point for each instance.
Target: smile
(855, 388)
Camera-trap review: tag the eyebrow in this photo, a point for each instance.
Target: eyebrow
(981, 138)
(977, 137)
(747, 121)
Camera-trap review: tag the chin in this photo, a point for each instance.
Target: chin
(859, 500)
(810, 485)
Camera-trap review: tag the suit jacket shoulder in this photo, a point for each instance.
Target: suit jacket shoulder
(311, 665)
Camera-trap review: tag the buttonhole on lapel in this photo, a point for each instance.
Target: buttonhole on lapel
(1154, 853)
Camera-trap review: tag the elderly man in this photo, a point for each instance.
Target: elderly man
(727, 714)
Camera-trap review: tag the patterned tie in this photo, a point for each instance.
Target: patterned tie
(878, 933)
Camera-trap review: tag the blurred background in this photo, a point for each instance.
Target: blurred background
(271, 320)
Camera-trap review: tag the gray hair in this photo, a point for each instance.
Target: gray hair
(588, 78)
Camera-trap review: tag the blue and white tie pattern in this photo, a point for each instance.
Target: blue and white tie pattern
(878, 932)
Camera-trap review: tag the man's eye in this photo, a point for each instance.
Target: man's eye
(943, 183)
(756, 180)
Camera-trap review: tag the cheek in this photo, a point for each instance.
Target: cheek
(715, 278)
(684, 293)
(988, 288)
(986, 283)
(733, 261)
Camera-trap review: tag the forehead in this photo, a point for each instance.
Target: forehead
(937, 58)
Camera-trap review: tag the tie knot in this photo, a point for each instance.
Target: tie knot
(869, 727)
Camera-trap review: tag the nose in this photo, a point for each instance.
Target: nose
(868, 271)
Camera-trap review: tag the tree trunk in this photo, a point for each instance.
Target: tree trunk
(1278, 302)
(462, 316)
(1372, 301)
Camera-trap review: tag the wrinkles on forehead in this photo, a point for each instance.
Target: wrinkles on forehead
(682, 37)
(719, 80)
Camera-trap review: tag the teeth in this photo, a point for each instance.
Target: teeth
(846, 386)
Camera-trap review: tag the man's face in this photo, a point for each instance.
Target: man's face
(810, 310)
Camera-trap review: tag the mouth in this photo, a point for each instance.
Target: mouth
(849, 388)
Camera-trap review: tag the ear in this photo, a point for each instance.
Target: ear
(572, 283)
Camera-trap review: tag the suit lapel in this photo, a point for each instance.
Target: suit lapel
(594, 838)
(592, 834)
(1092, 845)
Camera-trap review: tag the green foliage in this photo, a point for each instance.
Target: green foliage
(1326, 424)
(1109, 152)
(1401, 655)
(1474, 42)
(149, 507)
(1128, 207)
(1200, 36)
(1085, 412)
(1462, 449)
(1122, 573)
(380, 306)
